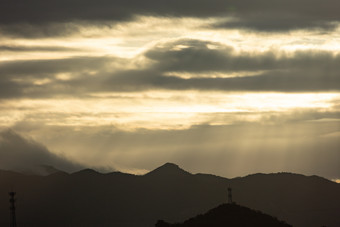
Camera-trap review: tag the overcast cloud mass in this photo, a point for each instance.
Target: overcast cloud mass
(20, 154)
(223, 87)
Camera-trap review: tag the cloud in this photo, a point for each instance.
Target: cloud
(277, 21)
(52, 66)
(53, 77)
(260, 15)
(22, 48)
(191, 55)
(274, 71)
(39, 30)
(21, 154)
(298, 142)
(300, 71)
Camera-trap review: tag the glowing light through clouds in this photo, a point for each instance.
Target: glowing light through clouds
(209, 87)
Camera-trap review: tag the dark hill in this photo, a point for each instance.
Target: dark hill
(229, 215)
(167, 170)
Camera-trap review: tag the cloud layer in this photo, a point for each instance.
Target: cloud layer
(217, 86)
(305, 143)
(260, 15)
(301, 71)
(20, 154)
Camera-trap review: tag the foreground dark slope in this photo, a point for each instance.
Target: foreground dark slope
(229, 215)
(88, 198)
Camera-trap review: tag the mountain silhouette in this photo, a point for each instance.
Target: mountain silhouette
(41, 170)
(167, 170)
(87, 172)
(90, 198)
(229, 215)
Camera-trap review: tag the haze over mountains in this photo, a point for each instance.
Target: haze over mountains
(25, 155)
(89, 198)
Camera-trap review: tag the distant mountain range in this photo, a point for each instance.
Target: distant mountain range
(39, 170)
(169, 193)
(229, 215)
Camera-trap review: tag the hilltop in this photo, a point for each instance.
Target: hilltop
(229, 215)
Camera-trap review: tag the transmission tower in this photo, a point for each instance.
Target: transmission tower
(230, 196)
(13, 222)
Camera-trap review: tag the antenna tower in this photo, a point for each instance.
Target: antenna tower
(230, 196)
(13, 222)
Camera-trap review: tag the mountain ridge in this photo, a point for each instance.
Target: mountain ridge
(306, 201)
(179, 171)
(167, 168)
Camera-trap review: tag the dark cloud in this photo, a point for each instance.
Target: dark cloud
(19, 48)
(20, 154)
(18, 77)
(281, 15)
(280, 22)
(39, 12)
(254, 14)
(52, 66)
(45, 30)
(299, 72)
(9, 89)
(196, 56)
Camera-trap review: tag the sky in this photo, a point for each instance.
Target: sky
(223, 87)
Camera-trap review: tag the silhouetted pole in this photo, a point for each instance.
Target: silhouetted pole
(230, 197)
(13, 222)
